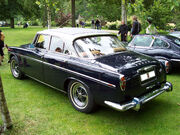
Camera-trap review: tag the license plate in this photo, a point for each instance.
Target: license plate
(147, 75)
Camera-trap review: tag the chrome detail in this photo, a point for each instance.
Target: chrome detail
(79, 95)
(177, 60)
(137, 102)
(14, 68)
(145, 69)
(150, 87)
(79, 74)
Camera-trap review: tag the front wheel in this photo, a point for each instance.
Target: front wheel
(81, 97)
(14, 65)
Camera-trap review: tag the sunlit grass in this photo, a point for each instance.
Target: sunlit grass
(39, 110)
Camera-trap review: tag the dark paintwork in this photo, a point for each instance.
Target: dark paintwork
(170, 53)
(56, 69)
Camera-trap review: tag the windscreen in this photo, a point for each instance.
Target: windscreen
(92, 47)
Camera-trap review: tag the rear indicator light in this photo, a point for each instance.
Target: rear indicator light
(122, 82)
(167, 66)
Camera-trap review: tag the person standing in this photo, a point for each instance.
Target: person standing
(2, 45)
(92, 24)
(123, 30)
(136, 27)
(97, 24)
(151, 29)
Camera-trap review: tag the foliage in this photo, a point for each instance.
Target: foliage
(35, 22)
(62, 19)
(159, 10)
(92, 9)
(113, 25)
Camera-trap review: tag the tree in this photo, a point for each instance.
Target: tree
(107, 9)
(73, 12)
(9, 9)
(159, 10)
(4, 109)
(123, 11)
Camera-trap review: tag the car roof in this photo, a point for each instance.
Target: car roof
(165, 37)
(73, 33)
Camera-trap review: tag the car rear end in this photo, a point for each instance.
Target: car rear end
(139, 81)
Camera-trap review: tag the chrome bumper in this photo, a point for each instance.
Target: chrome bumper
(137, 102)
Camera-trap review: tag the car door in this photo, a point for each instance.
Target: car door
(35, 56)
(141, 43)
(55, 62)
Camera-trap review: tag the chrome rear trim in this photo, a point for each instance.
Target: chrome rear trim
(137, 102)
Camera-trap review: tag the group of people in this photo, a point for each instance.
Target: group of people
(136, 28)
(2, 46)
(96, 24)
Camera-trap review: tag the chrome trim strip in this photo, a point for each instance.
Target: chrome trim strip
(137, 102)
(76, 73)
(92, 78)
(47, 84)
(177, 60)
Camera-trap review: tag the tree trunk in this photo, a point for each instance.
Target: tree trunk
(49, 17)
(44, 17)
(123, 11)
(12, 22)
(4, 109)
(73, 12)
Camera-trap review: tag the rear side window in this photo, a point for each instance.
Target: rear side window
(144, 41)
(57, 44)
(42, 41)
(158, 43)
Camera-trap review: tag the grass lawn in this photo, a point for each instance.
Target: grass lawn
(36, 109)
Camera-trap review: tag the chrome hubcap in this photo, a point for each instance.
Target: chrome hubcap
(14, 68)
(79, 95)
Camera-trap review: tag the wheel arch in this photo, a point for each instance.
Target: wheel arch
(69, 79)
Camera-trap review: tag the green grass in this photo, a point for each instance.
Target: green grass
(36, 109)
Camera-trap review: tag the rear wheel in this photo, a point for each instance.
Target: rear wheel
(14, 65)
(81, 97)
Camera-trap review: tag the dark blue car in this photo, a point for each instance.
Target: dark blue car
(92, 67)
(164, 48)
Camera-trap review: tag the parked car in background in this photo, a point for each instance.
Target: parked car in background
(92, 67)
(175, 34)
(4, 24)
(164, 48)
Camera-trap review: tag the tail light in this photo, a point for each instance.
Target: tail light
(122, 82)
(167, 66)
(9, 49)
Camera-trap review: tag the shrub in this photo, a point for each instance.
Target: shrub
(53, 23)
(35, 23)
(113, 25)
